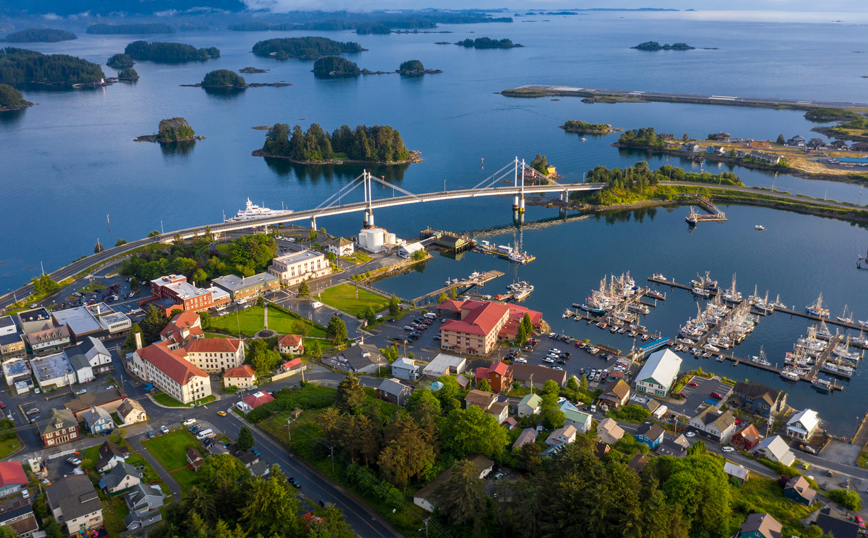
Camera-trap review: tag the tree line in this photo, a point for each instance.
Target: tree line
(10, 97)
(139, 28)
(380, 143)
(39, 35)
(174, 129)
(335, 66)
(303, 48)
(645, 138)
(641, 177)
(169, 52)
(20, 65)
(224, 78)
(577, 126)
(367, 23)
(488, 43)
(120, 61)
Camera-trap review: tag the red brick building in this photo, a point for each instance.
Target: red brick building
(498, 375)
(480, 324)
(186, 296)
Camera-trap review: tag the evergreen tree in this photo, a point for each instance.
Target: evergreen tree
(336, 330)
(245, 439)
(350, 396)
(394, 306)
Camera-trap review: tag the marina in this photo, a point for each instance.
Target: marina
(460, 286)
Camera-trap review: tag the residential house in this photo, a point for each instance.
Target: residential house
(194, 459)
(98, 420)
(658, 373)
(131, 412)
(463, 382)
(525, 437)
(676, 447)
(97, 355)
(616, 394)
(499, 410)
(18, 516)
(581, 421)
(243, 377)
(651, 405)
(74, 503)
(406, 369)
(713, 425)
(294, 267)
(562, 436)
(529, 405)
(482, 463)
(480, 399)
(797, 141)
(691, 147)
(776, 449)
(765, 158)
(144, 502)
(759, 526)
(758, 398)
(720, 137)
(392, 390)
(109, 399)
(110, 455)
(601, 449)
(798, 490)
(291, 344)
(716, 150)
(12, 478)
(650, 435)
(258, 398)
(815, 144)
(48, 339)
(638, 462)
(445, 365)
(859, 146)
(122, 477)
(609, 431)
(746, 438)
(738, 472)
(340, 246)
(835, 522)
(498, 375)
(510, 423)
(362, 359)
(12, 345)
(803, 425)
(840, 145)
(61, 428)
(532, 375)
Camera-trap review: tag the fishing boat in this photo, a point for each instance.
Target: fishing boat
(759, 227)
(823, 385)
(817, 309)
(253, 211)
(789, 375)
(658, 276)
(843, 317)
(654, 294)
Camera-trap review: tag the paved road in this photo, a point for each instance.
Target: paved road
(136, 443)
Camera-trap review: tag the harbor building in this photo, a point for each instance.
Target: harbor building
(481, 324)
(240, 288)
(295, 267)
(658, 373)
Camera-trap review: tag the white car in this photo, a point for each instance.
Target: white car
(164, 429)
(690, 434)
(80, 392)
(728, 449)
(25, 493)
(189, 422)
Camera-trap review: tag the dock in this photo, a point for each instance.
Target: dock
(715, 214)
(462, 286)
(824, 356)
(448, 240)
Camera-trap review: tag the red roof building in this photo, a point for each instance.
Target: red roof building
(480, 324)
(243, 376)
(260, 398)
(182, 328)
(215, 355)
(172, 373)
(498, 375)
(290, 344)
(746, 438)
(12, 477)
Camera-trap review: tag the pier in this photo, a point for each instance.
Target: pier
(460, 287)
(822, 358)
(715, 214)
(448, 240)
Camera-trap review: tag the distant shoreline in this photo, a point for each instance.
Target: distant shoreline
(414, 159)
(14, 108)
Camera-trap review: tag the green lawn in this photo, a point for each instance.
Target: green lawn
(114, 511)
(171, 449)
(252, 320)
(223, 248)
(185, 477)
(9, 446)
(761, 494)
(165, 399)
(343, 298)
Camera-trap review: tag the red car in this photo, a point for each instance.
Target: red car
(693, 384)
(716, 396)
(680, 395)
(2, 405)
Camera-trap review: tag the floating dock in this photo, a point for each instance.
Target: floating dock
(715, 214)
(461, 286)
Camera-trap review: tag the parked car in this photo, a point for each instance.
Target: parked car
(80, 392)
(690, 434)
(728, 449)
(164, 429)
(150, 434)
(189, 421)
(294, 482)
(2, 405)
(254, 451)
(716, 396)
(73, 460)
(693, 384)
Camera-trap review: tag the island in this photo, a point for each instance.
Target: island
(40, 35)
(120, 61)
(335, 66)
(172, 130)
(379, 144)
(128, 74)
(655, 46)
(488, 43)
(169, 52)
(414, 68)
(19, 66)
(11, 99)
(851, 124)
(140, 28)
(582, 127)
(224, 79)
(250, 70)
(303, 48)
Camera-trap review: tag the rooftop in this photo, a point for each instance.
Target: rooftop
(290, 340)
(6, 321)
(11, 473)
(50, 367)
(213, 345)
(185, 290)
(16, 368)
(240, 371)
(662, 366)
(237, 283)
(78, 319)
(37, 314)
(172, 363)
(295, 257)
(75, 496)
(47, 334)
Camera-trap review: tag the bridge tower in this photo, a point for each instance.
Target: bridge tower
(515, 183)
(521, 201)
(518, 199)
(369, 212)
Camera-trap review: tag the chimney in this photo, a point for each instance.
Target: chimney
(138, 337)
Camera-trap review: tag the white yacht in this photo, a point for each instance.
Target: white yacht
(253, 211)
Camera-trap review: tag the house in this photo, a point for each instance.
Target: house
(340, 246)
(815, 143)
(529, 375)
(194, 459)
(615, 394)
(392, 390)
(609, 432)
(79, 364)
(74, 501)
(8, 326)
(676, 447)
(445, 365)
(776, 449)
(525, 437)
(840, 145)
(581, 421)
(291, 344)
(61, 428)
(12, 478)
(480, 399)
(98, 420)
(738, 472)
(510, 423)
(562, 436)
(746, 438)
(691, 147)
(88, 358)
(108, 399)
(651, 405)
(52, 371)
(835, 522)
(529, 405)
(499, 410)
(259, 398)
(765, 158)
(294, 267)
(243, 377)
(716, 150)
(12, 345)
(720, 137)
(406, 369)
(182, 328)
(803, 425)
(658, 373)
(759, 144)
(856, 146)
(48, 339)
(294, 367)
(601, 449)
(650, 435)
(713, 425)
(363, 359)
(481, 324)
(18, 516)
(498, 375)
(217, 448)
(144, 502)
(638, 462)
(463, 382)
(758, 398)
(131, 412)
(759, 526)
(798, 489)
(241, 288)
(122, 477)
(110, 455)
(797, 141)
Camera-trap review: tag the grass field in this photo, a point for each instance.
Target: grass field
(761, 494)
(165, 399)
(9, 446)
(185, 477)
(343, 298)
(252, 320)
(170, 449)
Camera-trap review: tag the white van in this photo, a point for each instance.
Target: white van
(205, 433)
(316, 304)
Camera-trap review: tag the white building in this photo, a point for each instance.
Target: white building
(803, 425)
(375, 239)
(53, 371)
(172, 373)
(215, 355)
(444, 364)
(340, 246)
(406, 369)
(658, 373)
(408, 250)
(295, 267)
(776, 449)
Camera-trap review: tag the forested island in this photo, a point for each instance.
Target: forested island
(128, 74)
(644, 138)
(654, 46)
(581, 127)
(172, 130)
(39, 35)
(378, 144)
(250, 70)
(11, 99)
(335, 66)
(303, 48)
(377, 22)
(224, 79)
(414, 68)
(19, 66)
(488, 43)
(169, 52)
(120, 61)
(140, 28)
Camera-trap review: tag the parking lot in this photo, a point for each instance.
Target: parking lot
(697, 395)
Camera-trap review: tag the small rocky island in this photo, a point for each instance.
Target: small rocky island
(128, 75)
(224, 79)
(251, 70)
(488, 43)
(335, 67)
(11, 99)
(581, 127)
(655, 46)
(172, 130)
(414, 68)
(120, 61)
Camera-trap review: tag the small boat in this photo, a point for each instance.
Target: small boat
(759, 227)
(658, 276)
(720, 358)
(843, 317)
(654, 294)
(823, 385)
(584, 139)
(789, 374)
(817, 309)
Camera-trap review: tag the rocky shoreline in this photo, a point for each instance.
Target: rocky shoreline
(414, 159)
(832, 133)
(156, 138)
(14, 108)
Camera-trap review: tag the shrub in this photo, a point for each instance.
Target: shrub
(847, 498)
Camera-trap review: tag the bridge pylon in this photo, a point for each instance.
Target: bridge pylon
(313, 223)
